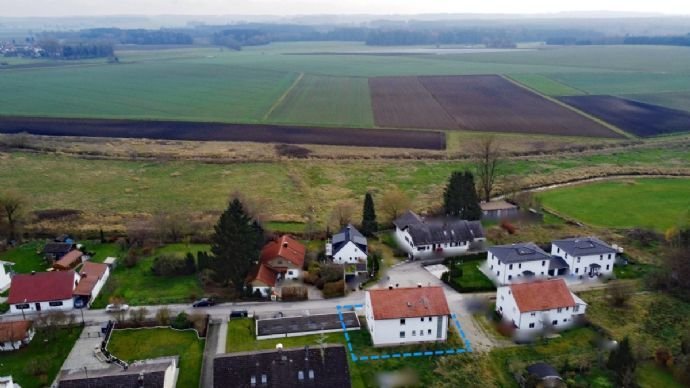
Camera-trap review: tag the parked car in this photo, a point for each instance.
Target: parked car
(203, 302)
(238, 314)
(114, 308)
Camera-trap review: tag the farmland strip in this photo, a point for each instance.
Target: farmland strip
(282, 97)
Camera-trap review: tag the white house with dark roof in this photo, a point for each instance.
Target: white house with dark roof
(539, 305)
(348, 246)
(5, 274)
(397, 316)
(586, 256)
(423, 239)
(522, 262)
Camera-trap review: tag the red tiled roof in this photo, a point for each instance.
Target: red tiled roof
(285, 247)
(408, 302)
(68, 261)
(263, 274)
(14, 331)
(90, 274)
(542, 295)
(41, 287)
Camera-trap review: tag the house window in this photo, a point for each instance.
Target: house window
(402, 321)
(560, 309)
(510, 266)
(311, 374)
(414, 333)
(554, 322)
(565, 319)
(609, 256)
(533, 314)
(558, 250)
(428, 331)
(21, 306)
(577, 270)
(531, 325)
(501, 308)
(55, 304)
(492, 267)
(264, 379)
(607, 267)
(402, 334)
(498, 273)
(421, 333)
(503, 297)
(422, 319)
(252, 381)
(578, 259)
(543, 263)
(520, 265)
(576, 308)
(601, 257)
(510, 277)
(300, 375)
(567, 308)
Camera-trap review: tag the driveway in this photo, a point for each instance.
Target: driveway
(210, 351)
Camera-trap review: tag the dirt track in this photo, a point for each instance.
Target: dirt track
(182, 130)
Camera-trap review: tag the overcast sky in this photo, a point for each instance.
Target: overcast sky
(303, 7)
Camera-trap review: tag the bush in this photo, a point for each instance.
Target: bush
(294, 293)
(334, 289)
(310, 278)
(132, 258)
(293, 151)
(4, 307)
(171, 265)
(508, 227)
(163, 316)
(181, 321)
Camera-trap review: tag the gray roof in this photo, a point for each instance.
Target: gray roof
(440, 231)
(519, 253)
(584, 246)
(114, 376)
(309, 323)
(57, 248)
(408, 218)
(557, 262)
(301, 367)
(347, 234)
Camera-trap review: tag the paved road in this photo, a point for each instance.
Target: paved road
(212, 339)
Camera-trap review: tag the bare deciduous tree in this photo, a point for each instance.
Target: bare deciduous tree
(11, 206)
(487, 153)
(342, 214)
(171, 226)
(393, 203)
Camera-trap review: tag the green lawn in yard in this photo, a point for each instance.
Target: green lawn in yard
(650, 375)
(648, 203)
(47, 352)
(632, 270)
(139, 286)
(284, 227)
(26, 257)
(102, 251)
(321, 100)
(141, 344)
(472, 279)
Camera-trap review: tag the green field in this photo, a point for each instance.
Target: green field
(649, 203)
(43, 352)
(546, 85)
(676, 100)
(625, 83)
(141, 344)
(319, 100)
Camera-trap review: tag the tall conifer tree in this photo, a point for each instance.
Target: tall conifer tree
(369, 225)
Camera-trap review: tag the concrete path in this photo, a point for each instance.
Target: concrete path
(210, 349)
(222, 337)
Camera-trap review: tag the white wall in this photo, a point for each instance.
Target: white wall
(4, 277)
(505, 305)
(170, 379)
(349, 254)
(67, 304)
(10, 346)
(265, 291)
(579, 265)
(99, 285)
(506, 275)
(292, 274)
(387, 332)
(406, 243)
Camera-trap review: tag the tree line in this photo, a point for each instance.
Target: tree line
(82, 50)
(137, 36)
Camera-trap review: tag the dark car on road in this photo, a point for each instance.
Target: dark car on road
(203, 302)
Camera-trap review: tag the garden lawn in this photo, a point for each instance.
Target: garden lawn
(649, 203)
(48, 353)
(472, 279)
(140, 344)
(650, 375)
(632, 271)
(139, 286)
(26, 257)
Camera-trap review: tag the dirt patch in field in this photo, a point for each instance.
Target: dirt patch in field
(181, 130)
(478, 103)
(638, 118)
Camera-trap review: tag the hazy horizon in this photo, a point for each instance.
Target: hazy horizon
(71, 8)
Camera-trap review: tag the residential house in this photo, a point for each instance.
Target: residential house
(53, 251)
(397, 316)
(282, 258)
(42, 291)
(154, 373)
(539, 305)
(323, 366)
(348, 246)
(446, 237)
(14, 335)
(92, 278)
(5, 274)
(7, 382)
(499, 210)
(69, 261)
(586, 256)
(522, 262)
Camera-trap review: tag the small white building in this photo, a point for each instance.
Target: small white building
(5, 274)
(93, 277)
(14, 335)
(42, 291)
(539, 305)
(522, 262)
(586, 256)
(423, 239)
(399, 316)
(348, 246)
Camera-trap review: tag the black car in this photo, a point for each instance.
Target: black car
(239, 314)
(203, 302)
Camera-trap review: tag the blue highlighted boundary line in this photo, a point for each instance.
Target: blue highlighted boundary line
(385, 356)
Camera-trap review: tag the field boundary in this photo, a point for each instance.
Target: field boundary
(282, 98)
(564, 105)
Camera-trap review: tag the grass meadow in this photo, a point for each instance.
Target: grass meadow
(649, 203)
